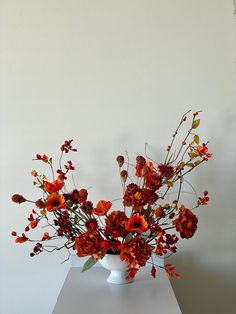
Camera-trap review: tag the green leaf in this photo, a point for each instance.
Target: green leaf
(192, 155)
(197, 163)
(146, 234)
(190, 164)
(196, 139)
(89, 263)
(149, 211)
(129, 237)
(195, 123)
(69, 203)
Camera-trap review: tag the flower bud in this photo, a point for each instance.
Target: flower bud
(124, 175)
(18, 198)
(120, 159)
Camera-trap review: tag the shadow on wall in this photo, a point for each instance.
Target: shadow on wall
(208, 283)
(203, 291)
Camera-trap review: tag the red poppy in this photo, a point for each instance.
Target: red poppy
(102, 208)
(136, 223)
(53, 187)
(55, 201)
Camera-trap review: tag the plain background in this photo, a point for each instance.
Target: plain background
(114, 75)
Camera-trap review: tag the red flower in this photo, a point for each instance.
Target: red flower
(152, 180)
(102, 208)
(110, 245)
(186, 223)
(160, 249)
(205, 199)
(53, 187)
(141, 161)
(136, 223)
(171, 271)
(22, 239)
(44, 158)
(135, 252)
(131, 274)
(88, 244)
(40, 203)
(149, 196)
(46, 236)
(115, 224)
(135, 200)
(34, 223)
(202, 151)
(66, 147)
(166, 171)
(55, 201)
(153, 271)
(91, 225)
(159, 212)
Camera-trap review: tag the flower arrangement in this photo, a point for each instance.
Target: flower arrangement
(146, 225)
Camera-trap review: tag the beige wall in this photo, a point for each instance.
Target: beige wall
(115, 74)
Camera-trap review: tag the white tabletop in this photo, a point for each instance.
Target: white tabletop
(88, 292)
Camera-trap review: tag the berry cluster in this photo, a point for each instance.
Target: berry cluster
(65, 226)
(36, 250)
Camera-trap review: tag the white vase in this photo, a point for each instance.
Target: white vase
(118, 268)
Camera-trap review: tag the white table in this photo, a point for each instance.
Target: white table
(88, 293)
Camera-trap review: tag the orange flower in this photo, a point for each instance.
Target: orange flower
(186, 223)
(88, 244)
(46, 236)
(135, 252)
(34, 223)
(22, 239)
(102, 208)
(55, 201)
(136, 223)
(202, 151)
(34, 173)
(53, 187)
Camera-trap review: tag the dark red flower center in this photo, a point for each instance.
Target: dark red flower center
(55, 203)
(137, 225)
